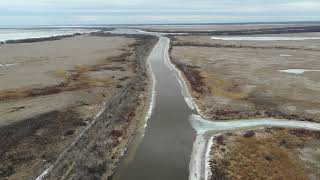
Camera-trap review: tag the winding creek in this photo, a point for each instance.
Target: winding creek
(173, 144)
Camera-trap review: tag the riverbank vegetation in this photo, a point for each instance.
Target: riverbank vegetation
(269, 153)
(63, 98)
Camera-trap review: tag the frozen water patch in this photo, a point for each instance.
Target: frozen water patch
(196, 162)
(298, 71)
(154, 92)
(16, 34)
(285, 55)
(167, 59)
(207, 170)
(126, 31)
(188, 100)
(202, 126)
(6, 65)
(262, 38)
(44, 174)
(135, 31)
(182, 82)
(184, 86)
(200, 165)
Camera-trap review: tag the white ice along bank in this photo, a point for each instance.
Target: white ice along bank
(206, 130)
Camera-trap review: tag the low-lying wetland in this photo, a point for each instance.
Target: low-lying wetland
(53, 94)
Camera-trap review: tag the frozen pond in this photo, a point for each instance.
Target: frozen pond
(6, 65)
(262, 38)
(298, 71)
(16, 34)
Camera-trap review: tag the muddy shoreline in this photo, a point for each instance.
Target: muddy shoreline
(37, 142)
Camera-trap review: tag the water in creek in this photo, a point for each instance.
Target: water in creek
(165, 150)
(174, 143)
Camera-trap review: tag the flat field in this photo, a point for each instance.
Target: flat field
(249, 78)
(51, 90)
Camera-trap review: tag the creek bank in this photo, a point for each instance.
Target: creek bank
(96, 153)
(221, 94)
(30, 146)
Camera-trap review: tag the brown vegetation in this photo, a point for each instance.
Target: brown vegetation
(193, 75)
(96, 152)
(216, 45)
(74, 80)
(41, 141)
(264, 154)
(30, 145)
(242, 81)
(32, 40)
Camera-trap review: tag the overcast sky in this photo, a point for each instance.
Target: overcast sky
(61, 12)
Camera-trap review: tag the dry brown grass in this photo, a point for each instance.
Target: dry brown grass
(219, 87)
(79, 83)
(73, 80)
(83, 69)
(60, 74)
(270, 153)
(193, 76)
(252, 158)
(12, 94)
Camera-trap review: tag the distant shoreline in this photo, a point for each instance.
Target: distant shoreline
(44, 37)
(31, 40)
(273, 30)
(155, 24)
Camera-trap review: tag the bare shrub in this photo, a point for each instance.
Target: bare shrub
(220, 139)
(248, 134)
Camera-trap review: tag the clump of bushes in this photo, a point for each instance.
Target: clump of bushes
(220, 139)
(248, 134)
(69, 132)
(116, 133)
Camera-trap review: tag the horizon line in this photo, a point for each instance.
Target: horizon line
(146, 24)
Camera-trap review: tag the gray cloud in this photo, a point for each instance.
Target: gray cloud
(160, 11)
